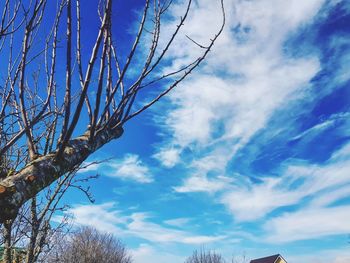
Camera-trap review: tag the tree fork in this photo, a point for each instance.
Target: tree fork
(41, 172)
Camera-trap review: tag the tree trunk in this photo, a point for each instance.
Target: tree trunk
(7, 237)
(40, 173)
(34, 232)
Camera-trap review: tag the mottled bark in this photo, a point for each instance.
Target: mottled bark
(40, 173)
(7, 237)
(34, 232)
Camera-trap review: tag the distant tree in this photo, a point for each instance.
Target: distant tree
(87, 245)
(205, 256)
(240, 259)
(208, 256)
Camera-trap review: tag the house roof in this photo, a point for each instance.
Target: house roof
(270, 259)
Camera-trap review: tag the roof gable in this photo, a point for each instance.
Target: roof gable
(270, 259)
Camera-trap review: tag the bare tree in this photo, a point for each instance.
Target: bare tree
(87, 245)
(42, 117)
(32, 231)
(205, 256)
(239, 259)
(208, 256)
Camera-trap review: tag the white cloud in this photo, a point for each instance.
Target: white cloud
(320, 127)
(156, 233)
(331, 196)
(177, 222)
(131, 167)
(308, 224)
(215, 161)
(255, 201)
(90, 167)
(343, 153)
(107, 218)
(153, 254)
(340, 255)
(315, 129)
(200, 183)
(338, 42)
(267, 77)
(324, 183)
(246, 79)
(103, 217)
(128, 168)
(168, 157)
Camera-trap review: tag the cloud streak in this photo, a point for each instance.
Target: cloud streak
(107, 218)
(260, 132)
(253, 84)
(129, 168)
(296, 182)
(311, 223)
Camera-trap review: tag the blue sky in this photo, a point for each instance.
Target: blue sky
(251, 154)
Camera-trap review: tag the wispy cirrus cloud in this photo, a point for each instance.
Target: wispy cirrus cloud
(339, 255)
(255, 87)
(108, 218)
(154, 254)
(309, 223)
(247, 78)
(131, 167)
(258, 76)
(178, 222)
(202, 183)
(168, 157)
(157, 233)
(253, 131)
(91, 215)
(325, 184)
(254, 83)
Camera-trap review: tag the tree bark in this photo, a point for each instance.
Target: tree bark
(41, 172)
(7, 236)
(34, 232)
